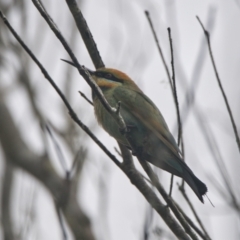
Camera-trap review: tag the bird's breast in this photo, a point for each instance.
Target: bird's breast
(106, 120)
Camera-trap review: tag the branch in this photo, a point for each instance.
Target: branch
(197, 230)
(194, 211)
(84, 96)
(85, 33)
(7, 224)
(175, 89)
(159, 50)
(190, 93)
(150, 196)
(16, 151)
(207, 35)
(83, 71)
(61, 222)
(51, 81)
(176, 103)
(166, 197)
(171, 82)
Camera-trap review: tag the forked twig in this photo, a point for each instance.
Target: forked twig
(85, 97)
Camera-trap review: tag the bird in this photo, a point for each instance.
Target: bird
(148, 129)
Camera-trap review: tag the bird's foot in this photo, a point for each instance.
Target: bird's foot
(128, 129)
(137, 151)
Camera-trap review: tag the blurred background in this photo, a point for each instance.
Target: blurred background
(115, 208)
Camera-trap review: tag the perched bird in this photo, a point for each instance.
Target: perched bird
(146, 124)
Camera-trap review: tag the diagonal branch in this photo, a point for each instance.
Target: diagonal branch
(7, 186)
(18, 153)
(85, 33)
(51, 81)
(207, 35)
(159, 50)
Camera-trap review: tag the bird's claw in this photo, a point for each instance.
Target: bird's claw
(128, 129)
(137, 151)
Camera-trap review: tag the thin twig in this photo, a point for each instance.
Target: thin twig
(60, 218)
(85, 97)
(190, 222)
(6, 203)
(59, 152)
(75, 161)
(216, 154)
(207, 35)
(190, 93)
(117, 151)
(172, 83)
(180, 135)
(176, 102)
(175, 89)
(182, 190)
(159, 50)
(171, 185)
(129, 167)
(85, 33)
(24, 79)
(167, 198)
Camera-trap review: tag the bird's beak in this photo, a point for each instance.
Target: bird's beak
(73, 64)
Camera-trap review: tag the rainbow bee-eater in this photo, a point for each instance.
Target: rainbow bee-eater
(149, 130)
(145, 122)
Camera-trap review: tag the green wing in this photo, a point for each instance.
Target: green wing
(145, 110)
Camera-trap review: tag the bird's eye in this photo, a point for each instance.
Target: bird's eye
(109, 75)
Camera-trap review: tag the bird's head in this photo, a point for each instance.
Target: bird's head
(108, 78)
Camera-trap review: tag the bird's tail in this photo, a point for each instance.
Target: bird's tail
(197, 186)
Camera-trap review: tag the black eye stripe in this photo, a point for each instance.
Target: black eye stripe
(108, 76)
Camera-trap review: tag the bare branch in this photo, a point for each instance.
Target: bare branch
(58, 151)
(207, 35)
(189, 100)
(20, 155)
(175, 89)
(181, 188)
(47, 76)
(7, 223)
(168, 199)
(84, 96)
(190, 222)
(150, 196)
(82, 70)
(176, 102)
(60, 218)
(159, 50)
(85, 33)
